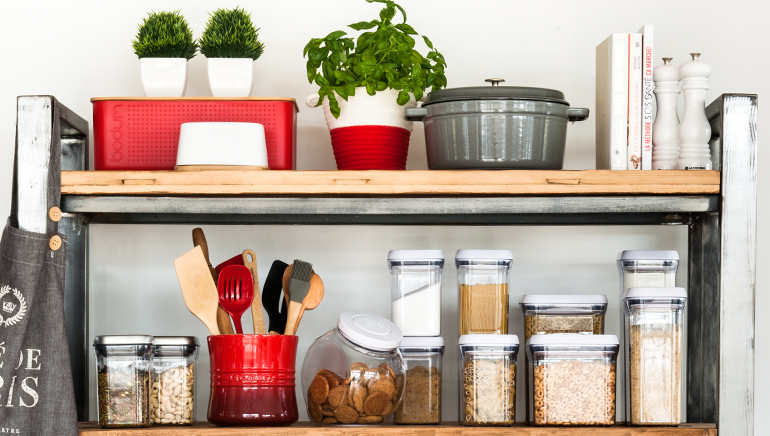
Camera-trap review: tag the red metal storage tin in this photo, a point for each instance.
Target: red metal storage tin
(138, 133)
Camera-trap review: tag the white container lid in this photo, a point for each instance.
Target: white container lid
(422, 342)
(655, 293)
(563, 299)
(649, 255)
(369, 330)
(416, 255)
(488, 340)
(484, 255)
(573, 339)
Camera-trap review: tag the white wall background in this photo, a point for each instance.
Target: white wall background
(76, 50)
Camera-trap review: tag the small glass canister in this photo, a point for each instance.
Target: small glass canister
(422, 382)
(653, 269)
(488, 379)
(123, 365)
(548, 314)
(173, 380)
(415, 287)
(483, 277)
(654, 335)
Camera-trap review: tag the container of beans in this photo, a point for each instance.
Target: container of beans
(173, 380)
(573, 379)
(483, 277)
(422, 357)
(488, 379)
(123, 365)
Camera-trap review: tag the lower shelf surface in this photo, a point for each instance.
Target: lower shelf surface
(446, 428)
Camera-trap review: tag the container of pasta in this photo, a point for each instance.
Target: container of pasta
(483, 277)
(488, 379)
(654, 335)
(572, 379)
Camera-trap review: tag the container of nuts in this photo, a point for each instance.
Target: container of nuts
(172, 388)
(352, 374)
(573, 379)
(488, 379)
(123, 365)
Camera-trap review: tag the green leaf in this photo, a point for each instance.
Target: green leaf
(335, 35)
(341, 91)
(363, 25)
(427, 42)
(350, 89)
(418, 93)
(403, 98)
(406, 29)
(381, 86)
(370, 89)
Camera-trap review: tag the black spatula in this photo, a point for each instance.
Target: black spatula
(272, 297)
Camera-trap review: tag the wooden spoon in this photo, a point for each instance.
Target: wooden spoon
(223, 319)
(256, 306)
(198, 289)
(313, 298)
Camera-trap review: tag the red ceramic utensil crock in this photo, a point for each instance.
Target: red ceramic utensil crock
(252, 380)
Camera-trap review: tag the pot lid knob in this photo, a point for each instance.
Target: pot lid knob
(495, 82)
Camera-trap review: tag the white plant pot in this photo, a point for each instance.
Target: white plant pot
(164, 77)
(362, 109)
(230, 77)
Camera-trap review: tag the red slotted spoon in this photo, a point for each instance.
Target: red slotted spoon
(236, 292)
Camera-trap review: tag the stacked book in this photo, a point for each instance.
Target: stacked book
(624, 101)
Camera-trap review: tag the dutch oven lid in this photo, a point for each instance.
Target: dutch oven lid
(495, 92)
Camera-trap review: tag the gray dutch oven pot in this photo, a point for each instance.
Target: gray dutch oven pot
(496, 127)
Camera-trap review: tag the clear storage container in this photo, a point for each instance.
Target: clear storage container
(573, 379)
(415, 288)
(488, 379)
(422, 382)
(654, 335)
(123, 365)
(654, 269)
(173, 380)
(483, 276)
(548, 314)
(353, 373)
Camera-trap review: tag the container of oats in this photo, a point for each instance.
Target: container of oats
(572, 379)
(548, 314)
(647, 268)
(353, 374)
(172, 388)
(422, 381)
(488, 379)
(123, 365)
(654, 326)
(483, 277)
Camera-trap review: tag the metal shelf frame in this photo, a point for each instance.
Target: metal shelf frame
(722, 240)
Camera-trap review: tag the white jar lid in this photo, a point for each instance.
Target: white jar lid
(649, 255)
(563, 299)
(369, 330)
(484, 255)
(573, 339)
(488, 340)
(655, 293)
(416, 255)
(422, 342)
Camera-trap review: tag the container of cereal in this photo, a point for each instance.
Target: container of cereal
(353, 373)
(654, 335)
(422, 382)
(572, 379)
(173, 380)
(123, 365)
(654, 269)
(548, 314)
(488, 379)
(483, 277)
(415, 287)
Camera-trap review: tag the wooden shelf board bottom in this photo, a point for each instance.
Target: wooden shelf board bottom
(447, 428)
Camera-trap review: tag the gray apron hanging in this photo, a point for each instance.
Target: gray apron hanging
(36, 391)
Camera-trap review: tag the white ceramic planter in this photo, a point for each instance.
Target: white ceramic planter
(230, 77)
(164, 77)
(362, 109)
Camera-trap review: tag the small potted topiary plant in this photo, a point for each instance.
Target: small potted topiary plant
(366, 85)
(164, 44)
(231, 45)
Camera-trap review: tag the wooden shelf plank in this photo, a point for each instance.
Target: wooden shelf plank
(453, 429)
(390, 183)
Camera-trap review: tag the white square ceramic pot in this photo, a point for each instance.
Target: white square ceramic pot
(164, 77)
(230, 77)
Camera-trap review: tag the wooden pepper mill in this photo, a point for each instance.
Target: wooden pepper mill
(665, 130)
(694, 130)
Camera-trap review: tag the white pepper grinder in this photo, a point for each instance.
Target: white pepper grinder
(665, 130)
(694, 130)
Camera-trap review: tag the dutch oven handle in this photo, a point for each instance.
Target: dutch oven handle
(416, 113)
(577, 114)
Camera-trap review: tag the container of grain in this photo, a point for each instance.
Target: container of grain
(654, 269)
(573, 379)
(548, 314)
(422, 358)
(172, 389)
(654, 334)
(483, 277)
(488, 379)
(415, 287)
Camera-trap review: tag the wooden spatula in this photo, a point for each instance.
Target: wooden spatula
(258, 319)
(223, 320)
(198, 289)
